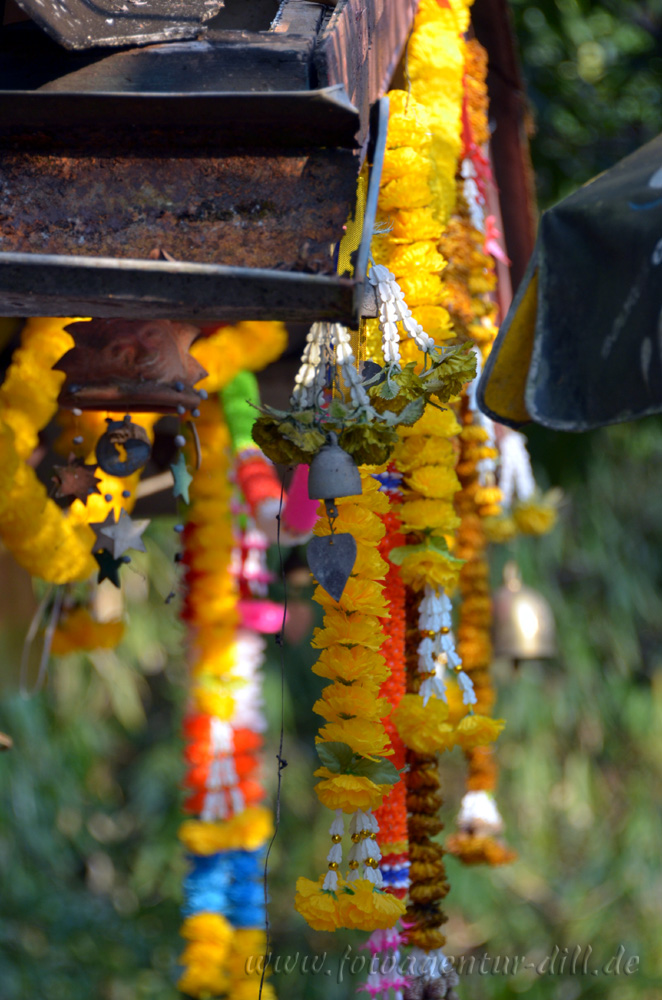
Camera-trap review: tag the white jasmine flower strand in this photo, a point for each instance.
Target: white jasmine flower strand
(516, 476)
(309, 380)
(393, 309)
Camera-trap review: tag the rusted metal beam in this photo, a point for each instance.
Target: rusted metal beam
(282, 212)
(229, 61)
(178, 122)
(142, 215)
(39, 285)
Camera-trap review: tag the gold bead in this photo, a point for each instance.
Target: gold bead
(336, 838)
(458, 668)
(371, 863)
(429, 633)
(333, 866)
(373, 836)
(356, 837)
(445, 630)
(365, 833)
(353, 865)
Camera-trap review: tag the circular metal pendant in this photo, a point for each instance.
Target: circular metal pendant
(123, 448)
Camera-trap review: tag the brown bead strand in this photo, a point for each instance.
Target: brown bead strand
(427, 873)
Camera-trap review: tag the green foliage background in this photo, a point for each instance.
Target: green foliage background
(89, 797)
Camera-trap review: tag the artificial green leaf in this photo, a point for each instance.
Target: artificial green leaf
(380, 770)
(308, 439)
(369, 444)
(336, 756)
(412, 412)
(269, 438)
(388, 389)
(399, 553)
(456, 367)
(337, 410)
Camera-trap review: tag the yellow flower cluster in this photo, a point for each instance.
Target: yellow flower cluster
(209, 936)
(354, 905)
(211, 601)
(37, 533)
(349, 791)
(426, 456)
(429, 729)
(78, 630)
(537, 515)
(247, 830)
(417, 191)
(229, 350)
(219, 958)
(350, 641)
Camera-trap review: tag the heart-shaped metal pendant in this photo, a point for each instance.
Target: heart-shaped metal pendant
(331, 560)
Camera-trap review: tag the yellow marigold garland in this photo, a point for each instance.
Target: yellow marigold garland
(350, 640)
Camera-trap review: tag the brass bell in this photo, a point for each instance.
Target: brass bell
(523, 625)
(333, 473)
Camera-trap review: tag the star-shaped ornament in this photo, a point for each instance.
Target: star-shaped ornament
(108, 567)
(182, 477)
(118, 536)
(75, 480)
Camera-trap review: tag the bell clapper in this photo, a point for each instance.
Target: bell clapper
(332, 514)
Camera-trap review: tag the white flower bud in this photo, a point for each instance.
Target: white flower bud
(331, 881)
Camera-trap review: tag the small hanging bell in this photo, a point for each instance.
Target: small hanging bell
(333, 473)
(524, 627)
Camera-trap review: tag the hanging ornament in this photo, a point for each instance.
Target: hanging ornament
(108, 567)
(118, 536)
(182, 478)
(331, 557)
(524, 627)
(76, 480)
(479, 839)
(123, 436)
(139, 365)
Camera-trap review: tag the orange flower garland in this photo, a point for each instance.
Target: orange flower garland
(392, 814)
(471, 281)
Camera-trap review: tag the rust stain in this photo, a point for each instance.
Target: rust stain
(258, 211)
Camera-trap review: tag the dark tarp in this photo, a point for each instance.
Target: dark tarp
(581, 345)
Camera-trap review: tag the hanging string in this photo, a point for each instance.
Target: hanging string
(37, 619)
(282, 763)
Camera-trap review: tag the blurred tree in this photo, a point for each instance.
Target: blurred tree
(594, 78)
